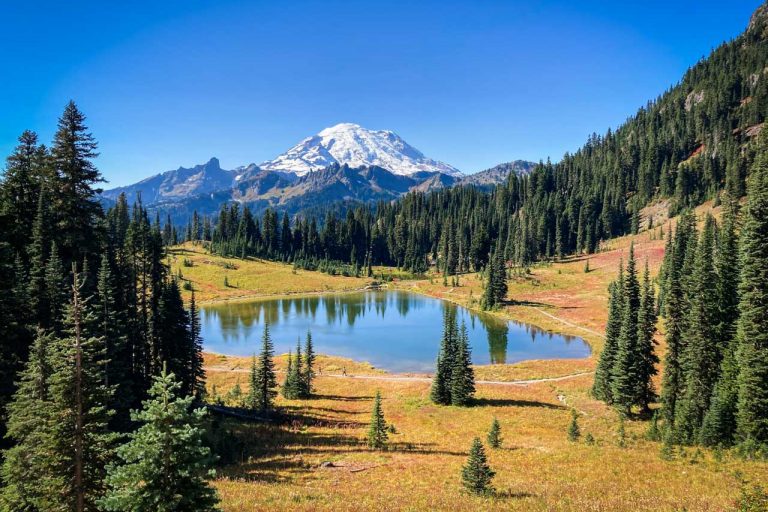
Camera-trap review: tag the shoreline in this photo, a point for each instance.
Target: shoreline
(553, 324)
(276, 296)
(503, 315)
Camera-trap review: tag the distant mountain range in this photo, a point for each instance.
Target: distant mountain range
(343, 163)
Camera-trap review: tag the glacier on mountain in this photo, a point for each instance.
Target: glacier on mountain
(351, 144)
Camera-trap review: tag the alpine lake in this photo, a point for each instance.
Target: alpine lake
(397, 331)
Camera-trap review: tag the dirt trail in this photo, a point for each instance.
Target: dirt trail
(571, 324)
(493, 382)
(419, 379)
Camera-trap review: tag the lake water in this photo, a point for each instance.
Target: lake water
(394, 330)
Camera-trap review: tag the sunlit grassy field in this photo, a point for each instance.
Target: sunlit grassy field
(285, 465)
(253, 277)
(249, 277)
(537, 467)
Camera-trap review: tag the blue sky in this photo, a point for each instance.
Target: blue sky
(471, 83)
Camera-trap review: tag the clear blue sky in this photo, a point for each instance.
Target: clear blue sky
(474, 83)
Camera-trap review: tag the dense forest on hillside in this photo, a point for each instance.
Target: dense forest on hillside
(712, 299)
(688, 145)
(88, 318)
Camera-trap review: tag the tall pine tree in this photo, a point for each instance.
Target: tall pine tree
(602, 388)
(626, 369)
(462, 384)
(752, 336)
(265, 380)
(440, 392)
(701, 358)
(77, 210)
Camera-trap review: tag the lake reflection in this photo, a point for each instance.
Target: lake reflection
(395, 330)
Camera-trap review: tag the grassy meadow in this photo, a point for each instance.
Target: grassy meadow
(317, 458)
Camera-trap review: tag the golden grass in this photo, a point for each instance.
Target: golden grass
(537, 468)
(250, 278)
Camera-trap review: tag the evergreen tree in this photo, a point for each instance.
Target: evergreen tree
(672, 380)
(55, 290)
(752, 337)
(496, 286)
(462, 383)
(165, 464)
(110, 326)
(654, 433)
(719, 425)
(377, 431)
(265, 380)
(489, 298)
(309, 364)
(476, 475)
(77, 209)
(727, 267)
(15, 331)
(197, 371)
(293, 388)
(602, 386)
(173, 343)
(287, 391)
(494, 435)
(252, 398)
(25, 174)
(28, 473)
(626, 369)
(78, 443)
(235, 396)
(647, 358)
(38, 255)
(701, 362)
(574, 432)
(440, 392)
(298, 370)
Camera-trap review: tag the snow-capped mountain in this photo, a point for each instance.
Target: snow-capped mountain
(351, 144)
(345, 164)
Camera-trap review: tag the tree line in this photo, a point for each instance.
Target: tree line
(687, 145)
(712, 298)
(92, 327)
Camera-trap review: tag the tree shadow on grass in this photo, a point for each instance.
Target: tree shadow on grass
(508, 402)
(513, 494)
(332, 410)
(296, 419)
(537, 304)
(343, 398)
(531, 303)
(283, 459)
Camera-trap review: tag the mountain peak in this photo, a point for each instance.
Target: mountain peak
(356, 146)
(342, 127)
